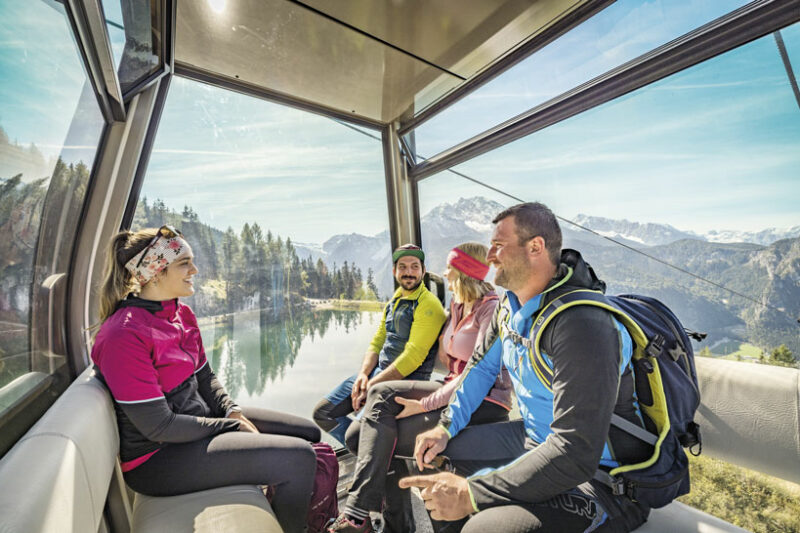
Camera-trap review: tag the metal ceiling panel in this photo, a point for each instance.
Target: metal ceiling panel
(458, 35)
(292, 50)
(377, 60)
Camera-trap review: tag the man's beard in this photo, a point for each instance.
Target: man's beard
(413, 287)
(511, 276)
(501, 279)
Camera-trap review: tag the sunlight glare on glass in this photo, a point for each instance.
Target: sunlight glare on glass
(218, 6)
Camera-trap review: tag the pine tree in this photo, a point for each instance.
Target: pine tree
(782, 355)
(371, 283)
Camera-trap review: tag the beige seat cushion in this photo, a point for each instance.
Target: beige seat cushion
(748, 408)
(679, 518)
(56, 477)
(235, 509)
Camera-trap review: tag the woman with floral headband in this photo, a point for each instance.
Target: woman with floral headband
(396, 411)
(179, 430)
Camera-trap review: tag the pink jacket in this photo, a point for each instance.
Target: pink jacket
(460, 337)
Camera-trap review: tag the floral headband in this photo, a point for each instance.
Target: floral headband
(165, 248)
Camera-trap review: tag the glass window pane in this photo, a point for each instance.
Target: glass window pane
(287, 215)
(50, 128)
(619, 33)
(698, 170)
(791, 39)
(117, 37)
(135, 35)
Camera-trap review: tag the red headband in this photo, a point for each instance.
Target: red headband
(467, 264)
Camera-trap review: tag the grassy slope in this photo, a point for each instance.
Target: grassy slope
(748, 499)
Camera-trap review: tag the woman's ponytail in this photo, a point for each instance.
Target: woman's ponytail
(118, 282)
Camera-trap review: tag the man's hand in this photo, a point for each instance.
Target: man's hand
(244, 424)
(446, 495)
(359, 393)
(359, 402)
(430, 444)
(411, 407)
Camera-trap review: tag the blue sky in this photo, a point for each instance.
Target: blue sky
(41, 76)
(714, 147)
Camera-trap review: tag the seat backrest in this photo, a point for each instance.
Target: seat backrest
(55, 479)
(749, 415)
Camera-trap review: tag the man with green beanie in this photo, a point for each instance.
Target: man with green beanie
(404, 346)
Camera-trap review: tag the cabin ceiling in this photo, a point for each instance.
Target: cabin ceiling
(379, 60)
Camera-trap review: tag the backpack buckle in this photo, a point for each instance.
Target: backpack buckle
(630, 491)
(655, 346)
(618, 486)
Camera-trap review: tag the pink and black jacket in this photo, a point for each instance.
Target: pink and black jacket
(150, 356)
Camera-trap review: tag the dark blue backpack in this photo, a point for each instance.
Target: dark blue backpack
(666, 387)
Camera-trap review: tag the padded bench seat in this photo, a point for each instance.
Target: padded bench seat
(57, 478)
(679, 518)
(240, 508)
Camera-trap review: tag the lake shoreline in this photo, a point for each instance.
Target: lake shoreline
(313, 304)
(345, 305)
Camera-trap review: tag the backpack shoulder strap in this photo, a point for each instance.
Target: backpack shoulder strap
(597, 299)
(657, 412)
(585, 297)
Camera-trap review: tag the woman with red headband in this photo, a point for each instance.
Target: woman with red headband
(396, 411)
(179, 430)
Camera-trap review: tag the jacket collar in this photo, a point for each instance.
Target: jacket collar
(412, 296)
(573, 273)
(163, 309)
(491, 296)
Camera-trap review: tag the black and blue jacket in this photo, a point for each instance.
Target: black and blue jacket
(566, 394)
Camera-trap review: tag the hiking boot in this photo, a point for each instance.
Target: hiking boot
(345, 525)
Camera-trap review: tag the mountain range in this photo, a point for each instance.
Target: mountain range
(649, 234)
(685, 270)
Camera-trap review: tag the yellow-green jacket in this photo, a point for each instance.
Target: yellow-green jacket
(409, 333)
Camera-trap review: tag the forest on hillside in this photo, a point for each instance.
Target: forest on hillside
(254, 269)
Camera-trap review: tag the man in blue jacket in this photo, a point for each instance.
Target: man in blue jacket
(536, 473)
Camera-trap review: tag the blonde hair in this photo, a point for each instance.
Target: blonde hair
(118, 282)
(465, 288)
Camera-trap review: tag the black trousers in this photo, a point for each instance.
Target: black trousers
(576, 510)
(379, 435)
(281, 456)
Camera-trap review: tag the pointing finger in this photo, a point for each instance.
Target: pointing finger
(416, 481)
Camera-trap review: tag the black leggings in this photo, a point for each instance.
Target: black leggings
(281, 455)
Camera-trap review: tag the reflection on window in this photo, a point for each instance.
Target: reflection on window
(134, 29)
(698, 170)
(621, 32)
(286, 213)
(49, 131)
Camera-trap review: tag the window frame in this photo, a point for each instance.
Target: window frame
(746, 24)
